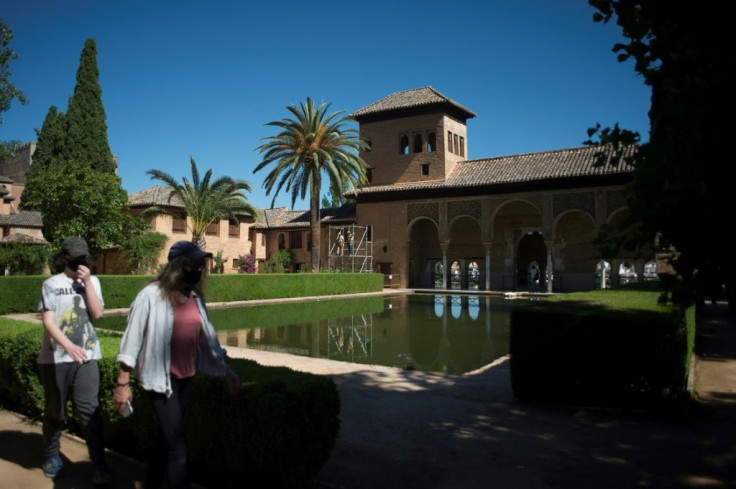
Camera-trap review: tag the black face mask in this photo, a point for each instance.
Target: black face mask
(74, 265)
(192, 277)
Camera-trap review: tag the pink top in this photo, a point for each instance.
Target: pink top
(185, 339)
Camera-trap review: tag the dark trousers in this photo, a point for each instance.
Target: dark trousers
(170, 454)
(82, 381)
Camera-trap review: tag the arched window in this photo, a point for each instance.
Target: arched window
(449, 142)
(650, 271)
(431, 143)
(626, 273)
(404, 145)
(418, 143)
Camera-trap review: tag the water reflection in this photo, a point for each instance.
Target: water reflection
(438, 333)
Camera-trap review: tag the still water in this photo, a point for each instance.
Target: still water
(436, 333)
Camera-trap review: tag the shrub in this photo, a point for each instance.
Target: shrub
(278, 415)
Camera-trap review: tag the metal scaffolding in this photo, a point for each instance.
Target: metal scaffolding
(346, 258)
(350, 338)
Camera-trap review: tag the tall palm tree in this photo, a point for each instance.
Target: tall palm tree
(307, 145)
(204, 201)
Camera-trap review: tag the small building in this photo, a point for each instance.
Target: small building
(229, 238)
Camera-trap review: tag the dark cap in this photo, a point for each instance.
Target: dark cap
(75, 247)
(187, 249)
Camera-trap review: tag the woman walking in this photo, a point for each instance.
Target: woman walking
(167, 339)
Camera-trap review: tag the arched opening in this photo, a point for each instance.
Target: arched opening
(424, 252)
(532, 251)
(432, 142)
(404, 145)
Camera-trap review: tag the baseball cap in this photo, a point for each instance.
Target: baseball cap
(75, 246)
(187, 249)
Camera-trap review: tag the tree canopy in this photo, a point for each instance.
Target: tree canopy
(72, 179)
(681, 191)
(312, 143)
(86, 126)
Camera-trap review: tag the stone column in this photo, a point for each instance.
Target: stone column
(488, 265)
(445, 268)
(549, 273)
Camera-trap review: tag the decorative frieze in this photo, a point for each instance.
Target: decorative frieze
(430, 210)
(614, 201)
(583, 201)
(463, 207)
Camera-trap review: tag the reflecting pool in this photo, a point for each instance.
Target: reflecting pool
(437, 333)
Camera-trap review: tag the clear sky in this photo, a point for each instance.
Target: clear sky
(202, 78)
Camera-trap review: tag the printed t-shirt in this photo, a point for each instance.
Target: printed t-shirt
(66, 298)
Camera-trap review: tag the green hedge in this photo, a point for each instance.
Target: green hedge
(277, 431)
(20, 294)
(598, 353)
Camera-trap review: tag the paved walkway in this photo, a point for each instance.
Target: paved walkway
(409, 429)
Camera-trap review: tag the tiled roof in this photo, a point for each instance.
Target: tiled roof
(518, 169)
(20, 238)
(408, 99)
(281, 217)
(6, 179)
(28, 219)
(157, 195)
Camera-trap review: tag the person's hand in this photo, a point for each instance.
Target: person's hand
(232, 379)
(77, 353)
(83, 273)
(121, 394)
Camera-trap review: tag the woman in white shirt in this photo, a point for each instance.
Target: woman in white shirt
(168, 338)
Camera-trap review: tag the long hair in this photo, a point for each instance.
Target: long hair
(61, 259)
(171, 278)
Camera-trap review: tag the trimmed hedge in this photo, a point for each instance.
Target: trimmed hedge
(592, 354)
(277, 431)
(20, 294)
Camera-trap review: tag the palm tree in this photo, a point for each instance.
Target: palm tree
(203, 200)
(306, 146)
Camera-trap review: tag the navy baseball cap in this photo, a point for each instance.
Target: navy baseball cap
(187, 249)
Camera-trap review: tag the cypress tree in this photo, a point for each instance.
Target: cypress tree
(86, 121)
(49, 149)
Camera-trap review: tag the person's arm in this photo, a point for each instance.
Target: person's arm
(95, 308)
(122, 393)
(130, 348)
(76, 352)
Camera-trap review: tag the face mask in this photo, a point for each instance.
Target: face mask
(192, 277)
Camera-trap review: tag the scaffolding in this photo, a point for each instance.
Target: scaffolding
(346, 258)
(350, 338)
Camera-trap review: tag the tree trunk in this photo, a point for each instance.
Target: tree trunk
(199, 241)
(314, 222)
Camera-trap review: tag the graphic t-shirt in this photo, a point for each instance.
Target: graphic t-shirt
(65, 297)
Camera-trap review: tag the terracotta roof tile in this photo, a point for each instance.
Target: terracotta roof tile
(20, 238)
(531, 167)
(157, 195)
(281, 217)
(29, 219)
(410, 98)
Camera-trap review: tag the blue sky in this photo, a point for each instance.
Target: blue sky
(192, 78)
